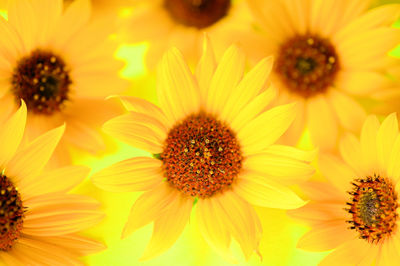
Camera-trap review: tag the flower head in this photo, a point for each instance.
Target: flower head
(39, 222)
(181, 23)
(357, 214)
(213, 146)
(328, 54)
(60, 62)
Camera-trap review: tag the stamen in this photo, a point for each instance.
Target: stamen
(201, 156)
(373, 206)
(42, 81)
(11, 213)
(197, 13)
(307, 65)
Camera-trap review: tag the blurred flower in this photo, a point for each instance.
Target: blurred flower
(358, 212)
(212, 143)
(39, 222)
(327, 54)
(61, 64)
(181, 23)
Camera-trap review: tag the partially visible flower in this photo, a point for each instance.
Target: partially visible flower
(61, 64)
(181, 23)
(357, 214)
(328, 54)
(39, 222)
(213, 146)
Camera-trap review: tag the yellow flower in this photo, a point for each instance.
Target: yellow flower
(39, 222)
(327, 54)
(181, 23)
(61, 64)
(213, 148)
(357, 214)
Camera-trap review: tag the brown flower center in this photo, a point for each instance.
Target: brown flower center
(42, 80)
(307, 64)
(197, 13)
(201, 156)
(11, 213)
(373, 207)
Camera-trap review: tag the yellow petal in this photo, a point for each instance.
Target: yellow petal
(78, 244)
(336, 171)
(58, 214)
(57, 180)
(291, 152)
(386, 138)
(323, 191)
(262, 191)
(384, 15)
(350, 150)
(168, 227)
(36, 252)
(252, 109)
(144, 133)
(368, 143)
(326, 235)
(277, 119)
(11, 134)
(367, 50)
(351, 115)
(13, 48)
(349, 253)
(361, 82)
(135, 174)
(241, 221)
(226, 77)
(249, 87)
(325, 16)
(322, 123)
(320, 212)
(281, 169)
(140, 105)
(47, 12)
(22, 16)
(393, 170)
(206, 67)
(29, 161)
(212, 229)
(177, 90)
(149, 206)
(74, 18)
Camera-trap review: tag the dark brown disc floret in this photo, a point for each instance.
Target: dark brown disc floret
(11, 213)
(201, 156)
(373, 207)
(42, 80)
(307, 64)
(197, 13)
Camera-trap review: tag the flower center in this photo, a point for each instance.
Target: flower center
(11, 213)
(197, 13)
(307, 64)
(201, 156)
(42, 81)
(373, 207)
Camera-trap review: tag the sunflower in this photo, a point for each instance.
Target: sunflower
(181, 23)
(327, 54)
(357, 213)
(212, 145)
(39, 222)
(62, 66)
